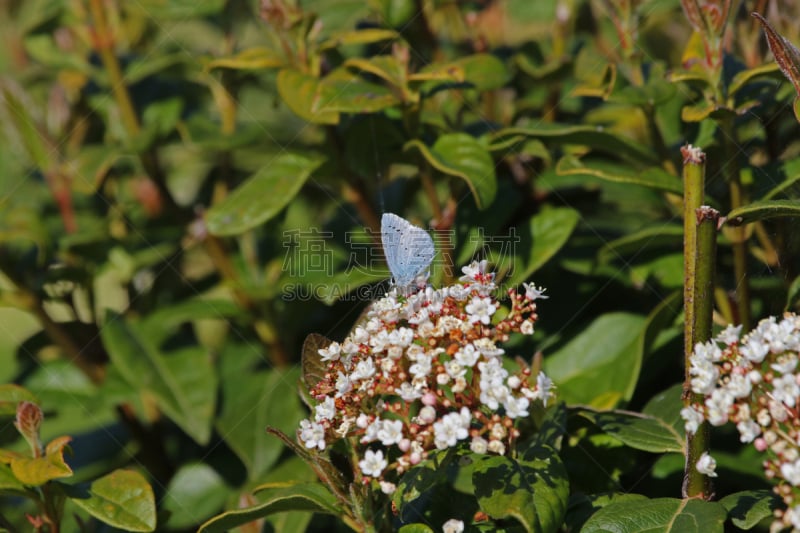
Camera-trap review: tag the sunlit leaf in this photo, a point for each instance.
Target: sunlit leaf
(262, 196)
(763, 210)
(659, 515)
(461, 155)
(122, 499)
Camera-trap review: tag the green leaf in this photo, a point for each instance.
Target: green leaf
(461, 155)
(363, 36)
(299, 91)
(793, 294)
(549, 231)
(483, 71)
(11, 395)
(287, 498)
(639, 241)
(386, 67)
(597, 137)
(195, 493)
(184, 383)
(422, 478)
(763, 210)
(30, 137)
(180, 9)
(415, 528)
(746, 76)
(599, 366)
(533, 490)
(344, 92)
(657, 516)
(637, 430)
(746, 509)
(38, 471)
(262, 196)
(250, 59)
(653, 178)
(8, 482)
(250, 403)
(122, 499)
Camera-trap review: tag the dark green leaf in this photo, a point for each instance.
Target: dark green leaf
(422, 478)
(460, 155)
(287, 498)
(746, 509)
(549, 231)
(597, 137)
(262, 196)
(660, 515)
(122, 499)
(763, 210)
(343, 92)
(639, 241)
(533, 490)
(299, 91)
(184, 383)
(599, 366)
(637, 430)
(195, 493)
(250, 403)
(653, 178)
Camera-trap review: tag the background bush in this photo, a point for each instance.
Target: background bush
(170, 171)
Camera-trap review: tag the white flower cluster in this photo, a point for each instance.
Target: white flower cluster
(754, 382)
(424, 372)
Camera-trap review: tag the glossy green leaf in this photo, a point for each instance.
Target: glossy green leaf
(747, 508)
(597, 137)
(763, 210)
(653, 178)
(483, 71)
(420, 479)
(661, 515)
(262, 196)
(8, 482)
(639, 241)
(183, 383)
(535, 489)
(299, 92)
(415, 528)
(11, 395)
(38, 471)
(637, 430)
(362, 36)
(461, 155)
(250, 403)
(385, 67)
(343, 92)
(121, 499)
(194, 494)
(746, 76)
(600, 365)
(549, 232)
(250, 59)
(291, 497)
(180, 9)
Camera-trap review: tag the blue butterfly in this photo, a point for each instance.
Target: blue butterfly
(408, 249)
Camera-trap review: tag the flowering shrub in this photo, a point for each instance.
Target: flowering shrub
(753, 382)
(425, 372)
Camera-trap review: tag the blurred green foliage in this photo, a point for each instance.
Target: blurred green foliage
(168, 168)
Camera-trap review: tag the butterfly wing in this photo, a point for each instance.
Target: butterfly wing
(409, 250)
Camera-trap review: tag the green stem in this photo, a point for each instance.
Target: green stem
(104, 44)
(697, 484)
(693, 191)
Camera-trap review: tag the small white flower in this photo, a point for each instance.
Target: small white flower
(791, 472)
(449, 430)
(312, 434)
(480, 310)
(331, 353)
(453, 526)
(478, 445)
(472, 270)
(692, 418)
(467, 356)
(526, 328)
(408, 392)
(326, 410)
(532, 292)
(786, 389)
(730, 335)
(391, 432)
(427, 415)
(706, 465)
(748, 430)
(388, 488)
(544, 387)
(365, 369)
(373, 463)
(496, 446)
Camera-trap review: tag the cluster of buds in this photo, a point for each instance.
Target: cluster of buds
(425, 372)
(754, 382)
